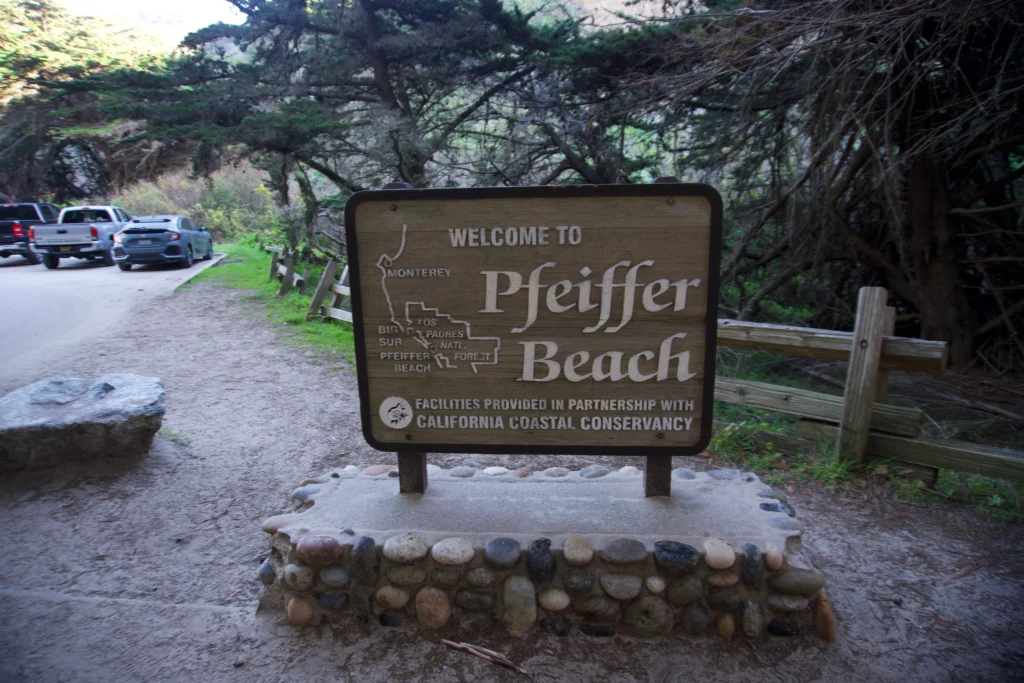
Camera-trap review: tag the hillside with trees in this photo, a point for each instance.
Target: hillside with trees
(855, 143)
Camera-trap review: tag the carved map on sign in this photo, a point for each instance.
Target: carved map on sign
(535, 319)
(447, 339)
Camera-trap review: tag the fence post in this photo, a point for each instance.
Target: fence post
(273, 265)
(862, 373)
(289, 273)
(302, 282)
(322, 288)
(882, 390)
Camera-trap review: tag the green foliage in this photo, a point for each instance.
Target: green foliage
(231, 203)
(178, 438)
(997, 498)
(246, 267)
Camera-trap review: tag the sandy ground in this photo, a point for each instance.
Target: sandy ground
(146, 571)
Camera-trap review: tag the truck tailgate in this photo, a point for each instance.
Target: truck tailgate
(62, 233)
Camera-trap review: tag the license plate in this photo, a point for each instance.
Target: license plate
(145, 241)
(65, 248)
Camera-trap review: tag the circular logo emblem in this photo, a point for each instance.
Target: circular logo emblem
(396, 412)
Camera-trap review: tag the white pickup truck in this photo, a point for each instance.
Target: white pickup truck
(85, 232)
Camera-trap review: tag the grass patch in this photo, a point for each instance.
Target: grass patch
(738, 445)
(248, 268)
(178, 438)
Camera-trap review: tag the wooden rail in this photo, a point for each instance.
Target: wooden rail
(814, 405)
(898, 353)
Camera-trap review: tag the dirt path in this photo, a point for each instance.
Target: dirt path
(146, 571)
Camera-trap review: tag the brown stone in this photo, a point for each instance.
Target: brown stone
(320, 551)
(392, 597)
(523, 472)
(299, 611)
(725, 625)
(433, 609)
(824, 618)
(723, 578)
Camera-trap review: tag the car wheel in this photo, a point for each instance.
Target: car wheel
(50, 261)
(209, 252)
(32, 257)
(124, 266)
(108, 257)
(189, 258)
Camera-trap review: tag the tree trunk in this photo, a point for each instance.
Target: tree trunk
(944, 309)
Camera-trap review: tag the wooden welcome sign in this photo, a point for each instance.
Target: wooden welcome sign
(536, 319)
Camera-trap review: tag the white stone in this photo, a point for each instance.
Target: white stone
(405, 548)
(454, 551)
(577, 551)
(554, 599)
(556, 472)
(656, 585)
(351, 469)
(495, 471)
(630, 470)
(718, 554)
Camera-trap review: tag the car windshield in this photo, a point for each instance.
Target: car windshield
(15, 212)
(86, 216)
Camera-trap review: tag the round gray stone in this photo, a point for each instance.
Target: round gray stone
(476, 601)
(577, 582)
(624, 551)
(594, 471)
(407, 575)
(622, 586)
(335, 576)
(753, 618)
(481, 577)
(786, 523)
(649, 616)
(723, 474)
(299, 577)
(462, 472)
(684, 473)
(520, 600)
(446, 576)
(695, 619)
(556, 472)
(797, 581)
(502, 553)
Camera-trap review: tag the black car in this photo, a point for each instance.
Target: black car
(16, 223)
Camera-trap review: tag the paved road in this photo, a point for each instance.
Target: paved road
(42, 311)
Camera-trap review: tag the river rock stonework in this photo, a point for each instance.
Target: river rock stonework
(67, 419)
(563, 584)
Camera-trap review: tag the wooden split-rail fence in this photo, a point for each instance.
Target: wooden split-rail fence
(282, 267)
(860, 423)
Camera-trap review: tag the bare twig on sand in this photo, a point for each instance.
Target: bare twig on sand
(489, 655)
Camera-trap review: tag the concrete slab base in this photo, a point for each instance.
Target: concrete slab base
(554, 549)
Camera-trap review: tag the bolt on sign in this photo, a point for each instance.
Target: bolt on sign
(536, 319)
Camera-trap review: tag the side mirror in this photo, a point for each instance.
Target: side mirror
(203, 228)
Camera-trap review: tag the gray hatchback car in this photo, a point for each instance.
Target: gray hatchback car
(161, 239)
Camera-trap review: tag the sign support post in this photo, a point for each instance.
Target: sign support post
(412, 472)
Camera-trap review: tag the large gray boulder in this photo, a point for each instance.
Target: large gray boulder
(65, 419)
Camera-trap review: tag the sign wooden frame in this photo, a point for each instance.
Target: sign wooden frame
(669, 189)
